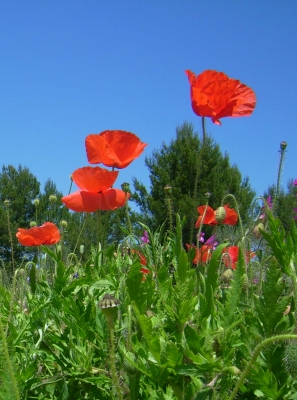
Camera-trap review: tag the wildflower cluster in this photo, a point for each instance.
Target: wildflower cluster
(156, 320)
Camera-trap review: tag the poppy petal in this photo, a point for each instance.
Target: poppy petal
(208, 217)
(94, 179)
(231, 216)
(83, 201)
(46, 234)
(113, 148)
(215, 95)
(114, 198)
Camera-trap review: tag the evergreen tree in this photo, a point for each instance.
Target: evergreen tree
(49, 206)
(175, 165)
(18, 188)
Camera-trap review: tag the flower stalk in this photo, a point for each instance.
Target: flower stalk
(255, 355)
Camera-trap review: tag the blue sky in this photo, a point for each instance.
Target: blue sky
(70, 68)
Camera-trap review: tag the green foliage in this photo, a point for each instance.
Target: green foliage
(284, 203)
(180, 332)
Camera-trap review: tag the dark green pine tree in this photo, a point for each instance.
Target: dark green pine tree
(18, 188)
(175, 165)
(49, 206)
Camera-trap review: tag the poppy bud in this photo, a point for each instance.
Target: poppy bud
(59, 248)
(64, 223)
(7, 203)
(52, 198)
(82, 249)
(227, 275)
(36, 202)
(220, 214)
(256, 230)
(125, 187)
(32, 224)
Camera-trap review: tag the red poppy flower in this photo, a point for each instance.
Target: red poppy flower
(230, 256)
(143, 262)
(95, 191)
(222, 215)
(47, 233)
(203, 254)
(115, 149)
(215, 95)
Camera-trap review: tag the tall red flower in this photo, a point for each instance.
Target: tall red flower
(215, 95)
(47, 233)
(113, 148)
(222, 215)
(96, 192)
(202, 254)
(230, 256)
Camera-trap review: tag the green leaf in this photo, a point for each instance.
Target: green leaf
(136, 288)
(33, 278)
(271, 305)
(183, 266)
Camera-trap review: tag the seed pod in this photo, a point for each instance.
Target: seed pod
(109, 306)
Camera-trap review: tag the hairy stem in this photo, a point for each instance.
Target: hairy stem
(8, 362)
(255, 355)
(198, 172)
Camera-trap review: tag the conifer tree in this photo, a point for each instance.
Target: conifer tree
(175, 165)
(18, 188)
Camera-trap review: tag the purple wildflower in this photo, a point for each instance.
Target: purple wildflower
(294, 182)
(200, 237)
(145, 238)
(269, 203)
(212, 242)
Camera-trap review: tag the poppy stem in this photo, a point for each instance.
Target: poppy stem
(7, 204)
(14, 386)
(77, 241)
(254, 357)
(112, 359)
(198, 171)
(283, 146)
(203, 131)
(98, 212)
(127, 215)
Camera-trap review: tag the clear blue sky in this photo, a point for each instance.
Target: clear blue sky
(69, 68)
